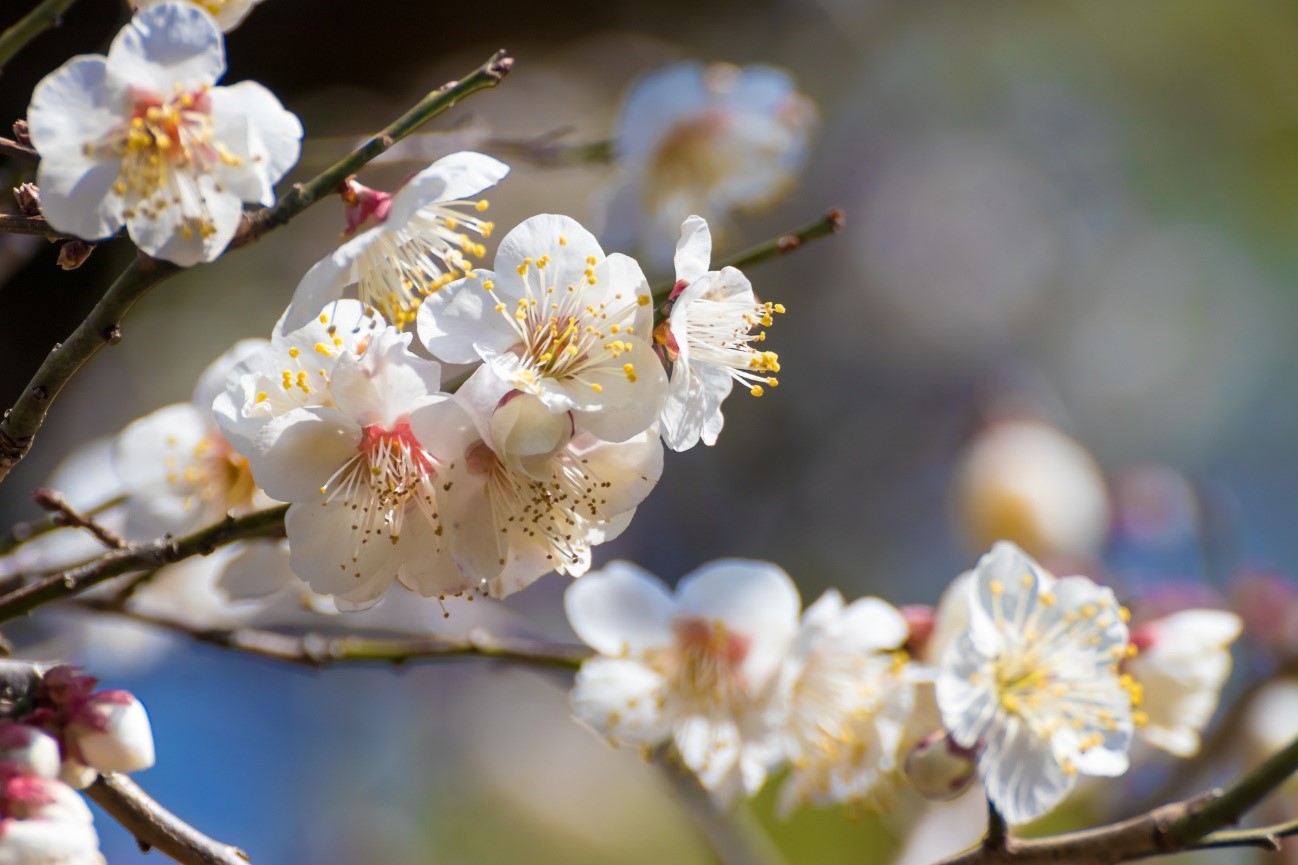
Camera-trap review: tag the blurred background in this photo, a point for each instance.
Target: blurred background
(1071, 222)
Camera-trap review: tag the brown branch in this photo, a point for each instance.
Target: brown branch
(318, 651)
(156, 828)
(103, 326)
(46, 14)
(22, 532)
(17, 150)
(17, 223)
(259, 524)
(66, 515)
(1188, 825)
(550, 150)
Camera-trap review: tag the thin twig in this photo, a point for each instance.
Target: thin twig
(156, 828)
(66, 515)
(1266, 837)
(831, 222)
(1173, 828)
(22, 532)
(17, 223)
(318, 651)
(103, 325)
(45, 15)
(330, 180)
(17, 150)
(259, 524)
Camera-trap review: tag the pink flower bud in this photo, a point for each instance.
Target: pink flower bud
(362, 204)
(939, 768)
(29, 750)
(110, 732)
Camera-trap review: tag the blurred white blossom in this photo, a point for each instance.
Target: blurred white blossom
(698, 668)
(714, 140)
(229, 14)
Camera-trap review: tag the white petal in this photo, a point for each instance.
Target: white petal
(324, 283)
(694, 250)
(621, 700)
(1022, 777)
(453, 177)
(710, 748)
(427, 568)
(620, 610)
(459, 323)
(276, 134)
(623, 408)
(542, 235)
(213, 379)
(296, 453)
(163, 233)
(631, 468)
(168, 45)
(126, 745)
(256, 570)
(329, 556)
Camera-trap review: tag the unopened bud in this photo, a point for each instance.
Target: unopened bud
(111, 732)
(28, 196)
(77, 775)
(360, 204)
(73, 254)
(29, 750)
(921, 620)
(939, 768)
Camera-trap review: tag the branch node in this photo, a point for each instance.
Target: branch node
(39, 393)
(113, 335)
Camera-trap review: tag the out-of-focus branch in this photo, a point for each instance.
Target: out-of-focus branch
(103, 325)
(831, 222)
(20, 533)
(45, 15)
(17, 150)
(16, 223)
(259, 524)
(100, 328)
(65, 515)
(551, 150)
(319, 651)
(489, 74)
(1191, 824)
(156, 828)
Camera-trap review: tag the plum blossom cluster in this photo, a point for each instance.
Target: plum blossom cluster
(551, 436)
(62, 739)
(1022, 679)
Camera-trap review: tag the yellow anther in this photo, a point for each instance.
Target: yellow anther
(756, 390)
(294, 352)
(481, 205)
(643, 300)
(996, 587)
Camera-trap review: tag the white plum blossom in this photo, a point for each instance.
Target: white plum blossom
(142, 138)
(708, 339)
(1026, 481)
(698, 668)
(1034, 683)
(845, 703)
(559, 320)
(715, 140)
(110, 732)
(29, 749)
(416, 240)
(229, 14)
(44, 822)
(365, 486)
(1183, 661)
(293, 371)
(533, 494)
(178, 469)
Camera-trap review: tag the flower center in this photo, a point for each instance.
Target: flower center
(164, 148)
(213, 476)
(390, 470)
(556, 512)
(562, 337)
(708, 658)
(722, 330)
(407, 263)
